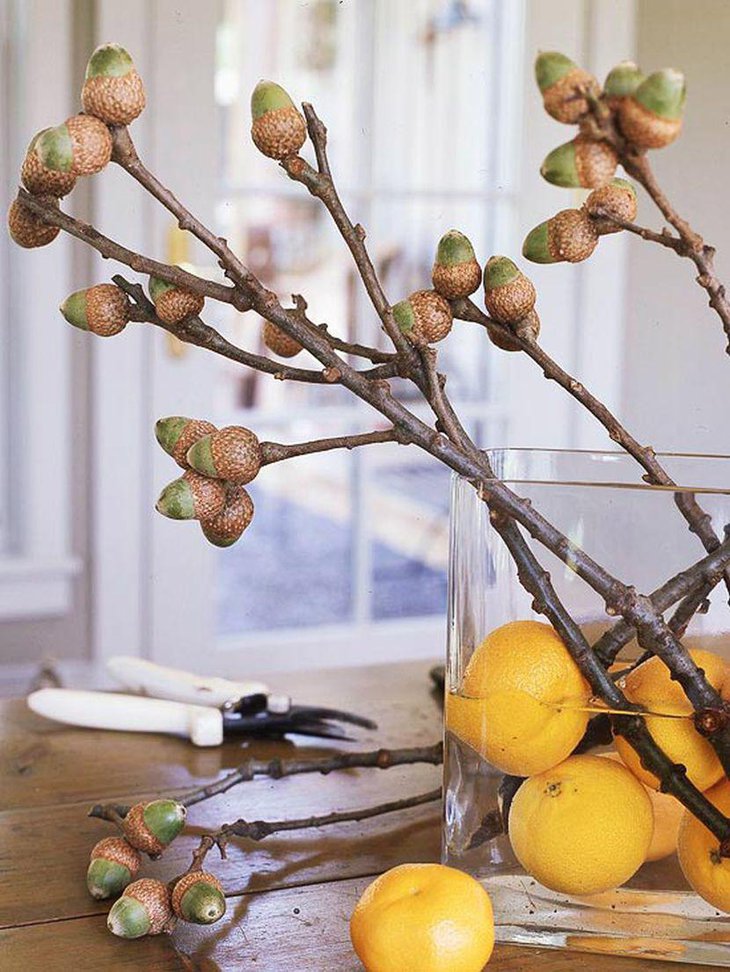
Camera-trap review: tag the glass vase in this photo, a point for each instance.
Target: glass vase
(599, 501)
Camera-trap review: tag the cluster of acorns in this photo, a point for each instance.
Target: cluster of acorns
(113, 94)
(218, 463)
(148, 906)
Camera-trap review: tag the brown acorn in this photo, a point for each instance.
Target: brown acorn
(277, 127)
(150, 827)
(192, 497)
(112, 91)
(618, 199)
(102, 309)
(455, 272)
(173, 304)
(569, 236)
(529, 326)
(28, 229)
(39, 179)
(144, 909)
(198, 897)
(651, 117)
(227, 527)
(508, 294)
(279, 342)
(176, 434)
(559, 80)
(232, 453)
(424, 317)
(582, 163)
(82, 145)
(114, 864)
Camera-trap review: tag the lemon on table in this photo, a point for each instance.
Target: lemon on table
(522, 700)
(699, 853)
(581, 827)
(651, 686)
(423, 918)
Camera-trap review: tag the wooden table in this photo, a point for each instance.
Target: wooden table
(289, 897)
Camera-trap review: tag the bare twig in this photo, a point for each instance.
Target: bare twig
(275, 452)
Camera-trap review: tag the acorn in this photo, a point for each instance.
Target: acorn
(39, 179)
(618, 199)
(114, 865)
(173, 304)
(82, 145)
(621, 81)
(279, 342)
(424, 317)
(227, 527)
(198, 897)
(192, 497)
(112, 91)
(583, 163)
(456, 272)
(231, 453)
(558, 78)
(26, 228)
(569, 236)
(529, 326)
(176, 434)
(143, 909)
(508, 294)
(102, 309)
(150, 827)
(277, 127)
(652, 116)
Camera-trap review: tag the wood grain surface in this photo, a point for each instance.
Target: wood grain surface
(290, 896)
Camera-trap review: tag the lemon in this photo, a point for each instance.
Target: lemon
(581, 827)
(423, 918)
(651, 686)
(699, 853)
(521, 700)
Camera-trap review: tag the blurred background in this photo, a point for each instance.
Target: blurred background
(435, 122)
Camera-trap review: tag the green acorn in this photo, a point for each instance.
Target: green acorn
(150, 827)
(652, 116)
(192, 497)
(173, 304)
(568, 236)
(198, 897)
(617, 199)
(232, 453)
(26, 228)
(528, 327)
(277, 127)
(424, 317)
(508, 294)
(582, 163)
(176, 434)
(114, 865)
(143, 909)
(112, 91)
(279, 341)
(455, 272)
(558, 79)
(82, 145)
(39, 179)
(103, 309)
(227, 527)
(621, 81)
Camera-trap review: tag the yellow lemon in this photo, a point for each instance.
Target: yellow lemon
(699, 853)
(423, 918)
(650, 685)
(521, 700)
(583, 826)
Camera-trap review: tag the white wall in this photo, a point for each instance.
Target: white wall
(677, 376)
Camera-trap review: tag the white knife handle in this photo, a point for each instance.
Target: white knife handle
(130, 713)
(145, 676)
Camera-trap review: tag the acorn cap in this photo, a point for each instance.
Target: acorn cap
(28, 229)
(663, 93)
(268, 96)
(143, 909)
(279, 341)
(618, 199)
(110, 61)
(508, 294)
(55, 148)
(232, 453)
(536, 248)
(198, 897)
(159, 287)
(192, 497)
(74, 310)
(622, 80)
(550, 67)
(176, 434)
(227, 527)
(454, 248)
